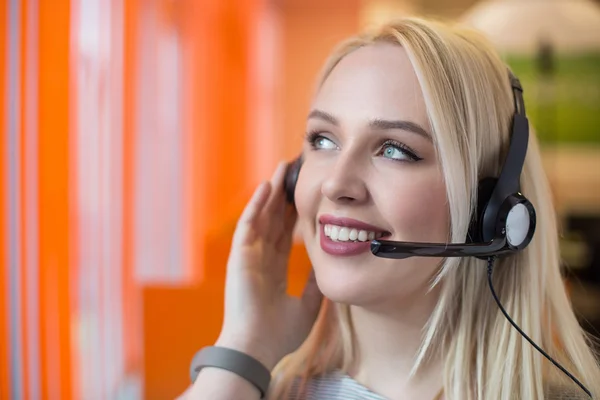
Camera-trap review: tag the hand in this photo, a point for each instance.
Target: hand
(261, 319)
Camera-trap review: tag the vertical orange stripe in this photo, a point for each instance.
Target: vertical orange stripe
(131, 293)
(227, 88)
(216, 66)
(73, 104)
(217, 71)
(5, 389)
(200, 25)
(197, 25)
(23, 194)
(54, 197)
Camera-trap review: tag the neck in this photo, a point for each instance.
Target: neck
(388, 340)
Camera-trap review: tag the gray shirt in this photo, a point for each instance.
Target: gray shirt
(337, 385)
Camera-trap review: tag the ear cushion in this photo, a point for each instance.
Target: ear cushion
(484, 194)
(291, 178)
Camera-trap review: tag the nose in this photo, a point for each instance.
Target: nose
(344, 183)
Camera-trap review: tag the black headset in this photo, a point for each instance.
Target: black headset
(505, 219)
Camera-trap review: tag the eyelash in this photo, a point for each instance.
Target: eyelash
(313, 136)
(403, 148)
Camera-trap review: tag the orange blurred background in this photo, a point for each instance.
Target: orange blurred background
(133, 132)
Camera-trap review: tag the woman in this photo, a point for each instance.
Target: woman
(404, 124)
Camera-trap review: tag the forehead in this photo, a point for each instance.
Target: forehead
(375, 81)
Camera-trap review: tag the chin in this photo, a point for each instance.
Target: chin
(366, 281)
(344, 294)
(349, 281)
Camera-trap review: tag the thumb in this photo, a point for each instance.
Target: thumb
(312, 296)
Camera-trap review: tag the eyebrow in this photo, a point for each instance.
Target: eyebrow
(376, 123)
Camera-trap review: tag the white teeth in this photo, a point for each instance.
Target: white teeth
(362, 236)
(344, 234)
(353, 234)
(334, 232)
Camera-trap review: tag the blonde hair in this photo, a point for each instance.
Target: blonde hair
(470, 107)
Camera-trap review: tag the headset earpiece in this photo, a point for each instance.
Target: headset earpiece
(484, 193)
(507, 214)
(291, 178)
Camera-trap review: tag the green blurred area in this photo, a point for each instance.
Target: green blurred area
(563, 105)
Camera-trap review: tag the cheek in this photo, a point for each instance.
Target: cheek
(307, 196)
(420, 213)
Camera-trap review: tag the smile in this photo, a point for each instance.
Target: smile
(346, 236)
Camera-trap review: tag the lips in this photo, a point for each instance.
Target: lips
(349, 223)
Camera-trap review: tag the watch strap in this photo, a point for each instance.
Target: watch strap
(234, 361)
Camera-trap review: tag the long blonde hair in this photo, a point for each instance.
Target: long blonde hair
(470, 106)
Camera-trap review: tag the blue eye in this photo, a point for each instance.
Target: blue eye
(398, 152)
(320, 142)
(393, 153)
(324, 143)
(390, 149)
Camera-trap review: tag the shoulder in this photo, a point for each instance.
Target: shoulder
(331, 386)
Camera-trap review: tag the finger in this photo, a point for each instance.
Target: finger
(274, 212)
(276, 204)
(256, 203)
(252, 211)
(291, 216)
(287, 236)
(312, 296)
(279, 176)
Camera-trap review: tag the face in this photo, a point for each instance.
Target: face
(370, 170)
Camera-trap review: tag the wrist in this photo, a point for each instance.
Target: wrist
(253, 348)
